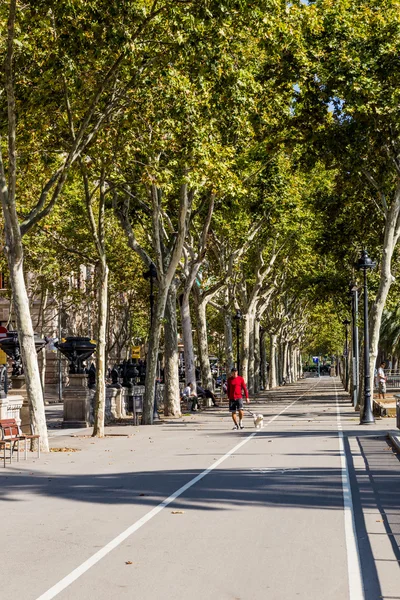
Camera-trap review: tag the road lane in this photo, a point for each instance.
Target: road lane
(266, 522)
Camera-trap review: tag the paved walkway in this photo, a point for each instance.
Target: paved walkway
(308, 507)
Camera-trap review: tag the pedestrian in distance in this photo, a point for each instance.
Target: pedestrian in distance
(381, 381)
(236, 387)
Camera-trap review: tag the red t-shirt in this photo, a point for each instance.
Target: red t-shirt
(235, 387)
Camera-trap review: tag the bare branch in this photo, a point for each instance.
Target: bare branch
(49, 233)
(142, 204)
(123, 216)
(382, 196)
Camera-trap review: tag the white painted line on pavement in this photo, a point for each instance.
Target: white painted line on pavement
(76, 573)
(356, 587)
(85, 566)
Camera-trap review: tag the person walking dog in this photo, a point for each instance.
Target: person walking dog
(236, 387)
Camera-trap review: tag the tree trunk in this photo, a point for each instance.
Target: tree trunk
(377, 308)
(290, 375)
(285, 375)
(256, 356)
(228, 340)
(100, 397)
(190, 367)
(279, 361)
(251, 370)
(272, 361)
(42, 333)
(244, 367)
(391, 235)
(201, 315)
(171, 257)
(28, 350)
(152, 354)
(264, 383)
(292, 363)
(14, 251)
(172, 405)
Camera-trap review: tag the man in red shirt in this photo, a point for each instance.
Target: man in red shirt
(236, 387)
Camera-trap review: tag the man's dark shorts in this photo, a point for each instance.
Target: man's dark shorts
(235, 405)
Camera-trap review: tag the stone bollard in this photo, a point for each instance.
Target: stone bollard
(3, 406)
(92, 400)
(111, 404)
(124, 402)
(14, 411)
(118, 403)
(18, 391)
(76, 402)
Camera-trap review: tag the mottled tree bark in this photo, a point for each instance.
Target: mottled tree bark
(102, 310)
(257, 357)
(172, 405)
(186, 320)
(201, 313)
(273, 360)
(229, 360)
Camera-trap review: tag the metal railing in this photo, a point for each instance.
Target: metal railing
(393, 378)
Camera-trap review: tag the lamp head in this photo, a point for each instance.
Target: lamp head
(151, 273)
(365, 262)
(353, 288)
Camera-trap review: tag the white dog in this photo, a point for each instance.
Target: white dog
(258, 421)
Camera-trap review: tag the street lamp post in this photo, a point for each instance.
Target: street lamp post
(346, 323)
(151, 274)
(354, 337)
(364, 263)
(237, 318)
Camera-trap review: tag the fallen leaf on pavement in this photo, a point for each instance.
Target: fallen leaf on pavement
(128, 562)
(64, 449)
(177, 512)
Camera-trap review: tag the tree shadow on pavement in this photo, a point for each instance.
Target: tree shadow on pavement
(221, 489)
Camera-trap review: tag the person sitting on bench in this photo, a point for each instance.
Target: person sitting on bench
(189, 394)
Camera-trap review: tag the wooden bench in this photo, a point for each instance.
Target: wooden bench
(10, 433)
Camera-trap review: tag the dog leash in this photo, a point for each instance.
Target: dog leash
(250, 413)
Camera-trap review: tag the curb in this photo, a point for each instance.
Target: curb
(395, 439)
